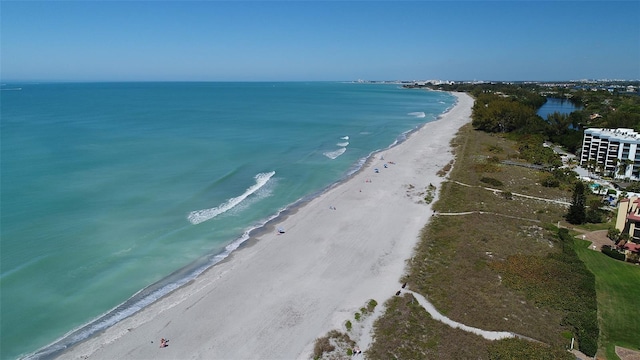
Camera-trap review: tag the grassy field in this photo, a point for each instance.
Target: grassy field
(455, 263)
(618, 288)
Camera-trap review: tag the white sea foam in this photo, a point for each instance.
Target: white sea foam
(418, 114)
(262, 193)
(345, 137)
(198, 216)
(343, 144)
(334, 154)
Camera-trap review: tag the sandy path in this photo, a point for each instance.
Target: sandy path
(435, 314)
(272, 299)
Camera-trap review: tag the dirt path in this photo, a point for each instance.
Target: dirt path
(560, 202)
(487, 334)
(484, 212)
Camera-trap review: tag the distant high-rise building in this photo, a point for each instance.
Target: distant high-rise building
(612, 152)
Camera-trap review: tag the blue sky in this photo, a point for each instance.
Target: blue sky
(313, 40)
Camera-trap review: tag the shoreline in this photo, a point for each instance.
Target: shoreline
(177, 279)
(307, 281)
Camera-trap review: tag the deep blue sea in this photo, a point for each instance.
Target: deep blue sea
(114, 194)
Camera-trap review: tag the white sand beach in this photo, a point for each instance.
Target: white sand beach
(272, 299)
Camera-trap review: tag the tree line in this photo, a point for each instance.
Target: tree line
(511, 109)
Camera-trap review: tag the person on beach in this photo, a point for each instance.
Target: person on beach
(163, 343)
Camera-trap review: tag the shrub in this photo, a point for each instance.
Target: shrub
(613, 234)
(322, 345)
(357, 316)
(495, 149)
(613, 253)
(594, 216)
(486, 168)
(348, 325)
(550, 181)
(491, 181)
(371, 305)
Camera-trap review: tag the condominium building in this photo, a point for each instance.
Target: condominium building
(612, 152)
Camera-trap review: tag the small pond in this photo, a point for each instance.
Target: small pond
(561, 106)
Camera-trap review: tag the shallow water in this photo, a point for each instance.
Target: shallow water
(109, 188)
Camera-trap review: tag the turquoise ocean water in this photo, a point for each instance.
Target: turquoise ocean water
(114, 194)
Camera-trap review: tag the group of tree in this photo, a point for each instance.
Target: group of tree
(582, 210)
(498, 113)
(512, 107)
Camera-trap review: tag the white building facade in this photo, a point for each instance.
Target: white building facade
(612, 152)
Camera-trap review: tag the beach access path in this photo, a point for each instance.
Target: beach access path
(273, 298)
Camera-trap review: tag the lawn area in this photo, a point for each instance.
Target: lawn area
(618, 291)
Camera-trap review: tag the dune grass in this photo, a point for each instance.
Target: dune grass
(618, 289)
(453, 264)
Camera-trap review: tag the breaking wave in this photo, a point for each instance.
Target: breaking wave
(334, 154)
(418, 114)
(198, 216)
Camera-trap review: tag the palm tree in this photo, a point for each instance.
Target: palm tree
(591, 166)
(623, 167)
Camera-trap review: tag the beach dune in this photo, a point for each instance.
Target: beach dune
(273, 298)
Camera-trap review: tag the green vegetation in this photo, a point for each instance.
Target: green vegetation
(618, 289)
(334, 341)
(560, 281)
(430, 194)
(496, 113)
(491, 181)
(371, 305)
(517, 349)
(408, 332)
(452, 264)
(615, 254)
(509, 106)
(577, 211)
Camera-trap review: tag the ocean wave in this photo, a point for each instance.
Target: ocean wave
(262, 193)
(334, 154)
(144, 297)
(345, 137)
(198, 216)
(418, 114)
(343, 144)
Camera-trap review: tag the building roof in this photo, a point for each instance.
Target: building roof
(620, 134)
(631, 246)
(633, 217)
